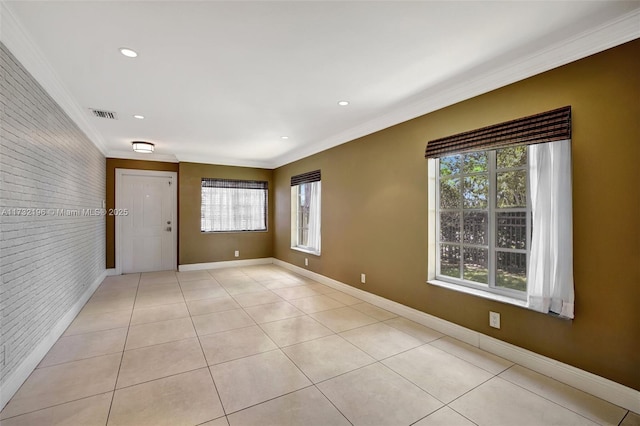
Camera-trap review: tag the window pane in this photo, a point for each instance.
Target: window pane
(512, 189)
(450, 193)
(511, 157)
(511, 270)
(476, 190)
(450, 165)
(475, 162)
(450, 227)
(475, 265)
(476, 227)
(511, 230)
(450, 260)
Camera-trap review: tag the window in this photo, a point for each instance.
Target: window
(483, 217)
(305, 212)
(233, 205)
(500, 218)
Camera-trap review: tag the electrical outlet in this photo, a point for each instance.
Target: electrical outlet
(306, 262)
(494, 319)
(363, 278)
(237, 253)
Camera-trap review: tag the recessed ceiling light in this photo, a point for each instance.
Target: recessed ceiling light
(128, 52)
(139, 117)
(343, 103)
(284, 137)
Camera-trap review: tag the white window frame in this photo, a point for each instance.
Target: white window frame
(296, 226)
(486, 290)
(264, 208)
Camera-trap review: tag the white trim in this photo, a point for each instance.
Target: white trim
(225, 264)
(130, 155)
(174, 226)
(19, 42)
(111, 272)
(593, 384)
(478, 292)
(11, 385)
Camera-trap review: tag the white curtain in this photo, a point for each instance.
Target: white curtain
(314, 215)
(233, 209)
(550, 273)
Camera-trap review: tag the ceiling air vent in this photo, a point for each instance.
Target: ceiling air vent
(104, 114)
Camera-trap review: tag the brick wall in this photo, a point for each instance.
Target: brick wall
(46, 262)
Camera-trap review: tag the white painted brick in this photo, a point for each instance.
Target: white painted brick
(45, 262)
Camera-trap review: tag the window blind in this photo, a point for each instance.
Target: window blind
(233, 205)
(308, 177)
(548, 126)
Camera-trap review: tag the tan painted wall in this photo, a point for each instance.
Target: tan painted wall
(374, 213)
(198, 247)
(112, 165)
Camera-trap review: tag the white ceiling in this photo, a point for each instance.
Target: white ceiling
(221, 82)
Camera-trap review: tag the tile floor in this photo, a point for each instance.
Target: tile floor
(263, 346)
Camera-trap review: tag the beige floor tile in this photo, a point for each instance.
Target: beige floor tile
(207, 306)
(380, 341)
(316, 304)
(91, 411)
(184, 399)
(343, 319)
(204, 293)
(87, 323)
(107, 304)
(499, 402)
(124, 293)
(419, 331)
(221, 321)
(344, 298)
(631, 419)
(257, 298)
(306, 407)
(242, 287)
(373, 311)
(153, 362)
(251, 380)
(297, 292)
(222, 421)
(483, 359)
(159, 313)
(444, 417)
(295, 330)
(226, 272)
(327, 357)
(122, 279)
(591, 407)
(146, 288)
(200, 284)
(161, 277)
(232, 280)
(375, 395)
(320, 288)
(273, 312)
(234, 344)
(283, 283)
(159, 332)
(441, 374)
(192, 276)
(62, 383)
(165, 297)
(87, 345)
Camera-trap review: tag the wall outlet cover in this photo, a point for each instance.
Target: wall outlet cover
(494, 319)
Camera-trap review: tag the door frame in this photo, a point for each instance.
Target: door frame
(120, 173)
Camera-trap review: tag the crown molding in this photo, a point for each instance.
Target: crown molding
(130, 155)
(226, 161)
(17, 39)
(610, 34)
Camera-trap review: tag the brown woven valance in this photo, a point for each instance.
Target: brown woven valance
(540, 128)
(308, 177)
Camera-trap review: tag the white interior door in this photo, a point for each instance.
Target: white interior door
(145, 220)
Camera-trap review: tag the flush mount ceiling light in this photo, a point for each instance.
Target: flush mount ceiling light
(129, 53)
(343, 103)
(143, 147)
(139, 117)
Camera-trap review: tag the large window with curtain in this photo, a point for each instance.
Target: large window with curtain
(306, 191)
(233, 205)
(502, 214)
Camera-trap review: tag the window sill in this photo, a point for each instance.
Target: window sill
(479, 293)
(303, 250)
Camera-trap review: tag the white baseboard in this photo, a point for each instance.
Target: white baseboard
(606, 389)
(112, 271)
(11, 385)
(225, 264)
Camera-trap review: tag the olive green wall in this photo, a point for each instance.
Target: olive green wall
(374, 213)
(112, 165)
(198, 247)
